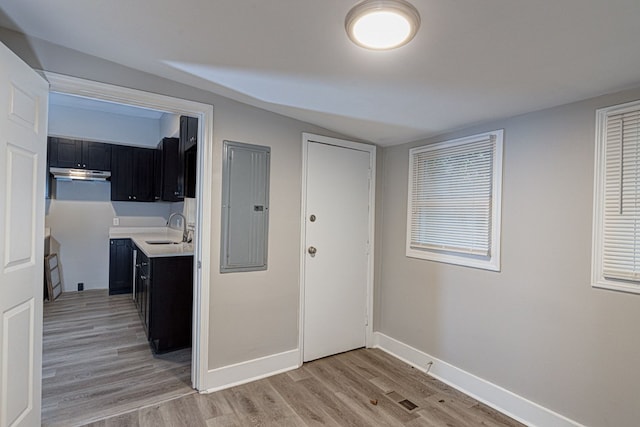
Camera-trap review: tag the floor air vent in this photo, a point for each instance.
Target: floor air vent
(408, 405)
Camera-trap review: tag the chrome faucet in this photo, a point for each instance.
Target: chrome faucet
(185, 235)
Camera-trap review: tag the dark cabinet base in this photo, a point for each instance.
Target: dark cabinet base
(120, 266)
(164, 296)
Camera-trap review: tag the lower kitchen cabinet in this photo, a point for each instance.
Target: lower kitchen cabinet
(120, 266)
(164, 297)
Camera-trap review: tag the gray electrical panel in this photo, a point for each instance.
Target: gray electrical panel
(245, 207)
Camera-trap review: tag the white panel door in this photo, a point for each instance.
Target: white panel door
(337, 230)
(23, 130)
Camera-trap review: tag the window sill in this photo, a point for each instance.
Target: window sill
(492, 264)
(616, 286)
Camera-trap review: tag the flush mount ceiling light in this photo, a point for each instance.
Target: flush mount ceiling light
(382, 24)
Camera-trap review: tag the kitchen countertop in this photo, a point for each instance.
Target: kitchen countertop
(140, 236)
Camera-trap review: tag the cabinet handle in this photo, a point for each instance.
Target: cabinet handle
(78, 164)
(192, 139)
(84, 166)
(129, 197)
(144, 263)
(143, 277)
(134, 198)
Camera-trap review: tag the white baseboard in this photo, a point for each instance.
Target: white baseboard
(251, 370)
(509, 403)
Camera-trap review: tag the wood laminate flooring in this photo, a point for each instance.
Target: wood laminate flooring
(97, 362)
(364, 387)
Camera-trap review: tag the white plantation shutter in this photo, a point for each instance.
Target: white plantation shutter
(621, 242)
(453, 206)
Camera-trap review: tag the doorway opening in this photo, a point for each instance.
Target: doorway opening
(200, 207)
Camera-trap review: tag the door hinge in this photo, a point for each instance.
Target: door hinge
(199, 264)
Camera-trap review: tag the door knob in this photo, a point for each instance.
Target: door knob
(312, 250)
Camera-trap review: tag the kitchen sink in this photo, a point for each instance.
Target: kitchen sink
(162, 242)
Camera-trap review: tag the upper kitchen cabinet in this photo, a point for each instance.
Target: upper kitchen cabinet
(188, 152)
(79, 154)
(188, 132)
(169, 178)
(96, 155)
(132, 175)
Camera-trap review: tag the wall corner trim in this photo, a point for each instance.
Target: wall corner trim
(252, 370)
(505, 401)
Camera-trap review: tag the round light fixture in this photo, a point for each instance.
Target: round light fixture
(382, 24)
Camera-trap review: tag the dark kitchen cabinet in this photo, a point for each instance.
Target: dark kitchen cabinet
(169, 178)
(190, 168)
(132, 174)
(188, 132)
(49, 188)
(142, 289)
(96, 156)
(120, 266)
(164, 298)
(64, 153)
(121, 173)
(188, 152)
(79, 154)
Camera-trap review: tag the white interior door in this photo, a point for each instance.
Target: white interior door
(337, 230)
(23, 130)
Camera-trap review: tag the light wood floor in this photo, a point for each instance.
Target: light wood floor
(358, 388)
(97, 362)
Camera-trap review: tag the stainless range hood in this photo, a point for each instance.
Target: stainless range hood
(67, 174)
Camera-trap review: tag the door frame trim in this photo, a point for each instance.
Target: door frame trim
(202, 250)
(308, 138)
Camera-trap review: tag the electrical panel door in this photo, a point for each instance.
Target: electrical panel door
(245, 207)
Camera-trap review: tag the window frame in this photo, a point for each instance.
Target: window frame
(492, 261)
(598, 279)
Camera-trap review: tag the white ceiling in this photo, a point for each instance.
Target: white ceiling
(472, 61)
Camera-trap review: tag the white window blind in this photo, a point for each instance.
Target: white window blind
(616, 210)
(454, 190)
(621, 250)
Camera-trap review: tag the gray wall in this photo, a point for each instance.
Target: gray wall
(252, 314)
(537, 328)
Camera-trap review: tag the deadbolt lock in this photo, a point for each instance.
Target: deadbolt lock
(312, 218)
(312, 251)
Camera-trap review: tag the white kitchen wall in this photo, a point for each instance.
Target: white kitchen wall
(105, 127)
(170, 126)
(80, 218)
(81, 213)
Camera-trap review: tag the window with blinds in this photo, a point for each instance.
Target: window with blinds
(454, 201)
(616, 260)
